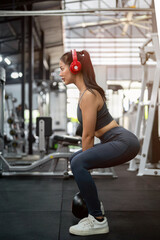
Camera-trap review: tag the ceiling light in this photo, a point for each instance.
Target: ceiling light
(14, 75)
(7, 61)
(20, 74)
(1, 59)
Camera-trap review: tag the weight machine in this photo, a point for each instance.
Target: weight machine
(14, 147)
(147, 52)
(47, 165)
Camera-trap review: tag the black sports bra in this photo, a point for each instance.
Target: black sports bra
(103, 116)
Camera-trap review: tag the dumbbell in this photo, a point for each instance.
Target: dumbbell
(14, 144)
(10, 120)
(13, 132)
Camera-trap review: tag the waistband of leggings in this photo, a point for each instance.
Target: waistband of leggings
(112, 131)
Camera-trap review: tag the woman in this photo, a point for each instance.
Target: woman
(117, 146)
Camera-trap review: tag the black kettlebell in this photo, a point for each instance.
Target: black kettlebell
(79, 208)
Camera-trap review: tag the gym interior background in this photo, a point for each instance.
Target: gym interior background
(38, 122)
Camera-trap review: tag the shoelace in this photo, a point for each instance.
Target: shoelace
(88, 222)
(83, 220)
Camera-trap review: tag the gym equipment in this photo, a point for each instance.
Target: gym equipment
(16, 132)
(1, 143)
(44, 131)
(13, 132)
(10, 120)
(75, 66)
(147, 52)
(79, 208)
(2, 80)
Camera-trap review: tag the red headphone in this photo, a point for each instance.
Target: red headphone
(75, 66)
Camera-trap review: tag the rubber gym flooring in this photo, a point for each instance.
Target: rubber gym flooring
(39, 208)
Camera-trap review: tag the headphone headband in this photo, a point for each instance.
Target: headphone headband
(74, 55)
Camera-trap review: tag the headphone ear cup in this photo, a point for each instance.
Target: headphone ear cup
(75, 67)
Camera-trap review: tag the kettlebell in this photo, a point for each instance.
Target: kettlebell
(79, 208)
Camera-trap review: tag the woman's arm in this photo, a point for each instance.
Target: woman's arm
(89, 115)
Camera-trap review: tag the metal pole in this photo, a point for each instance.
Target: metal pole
(31, 78)
(42, 57)
(24, 75)
(154, 23)
(48, 72)
(156, 7)
(94, 11)
(2, 82)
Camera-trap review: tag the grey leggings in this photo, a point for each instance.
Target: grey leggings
(117, 147)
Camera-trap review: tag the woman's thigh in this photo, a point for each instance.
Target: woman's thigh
(101, 155)
(79, 152)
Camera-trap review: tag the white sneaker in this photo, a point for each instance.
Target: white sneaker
(90, 226)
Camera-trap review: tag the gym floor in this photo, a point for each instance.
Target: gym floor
(36, 208)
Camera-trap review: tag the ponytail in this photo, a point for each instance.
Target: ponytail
(89, 74)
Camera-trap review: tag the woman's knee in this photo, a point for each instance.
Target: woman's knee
(77, 163)
(74, 164)
(74, 154)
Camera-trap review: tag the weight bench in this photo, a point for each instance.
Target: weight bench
(65, 141)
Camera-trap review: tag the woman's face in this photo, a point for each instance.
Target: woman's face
(65, 73)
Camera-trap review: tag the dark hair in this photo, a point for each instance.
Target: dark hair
(87, 70)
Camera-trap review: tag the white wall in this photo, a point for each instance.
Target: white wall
(101, 76)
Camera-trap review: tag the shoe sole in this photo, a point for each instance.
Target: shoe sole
(87, 233)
